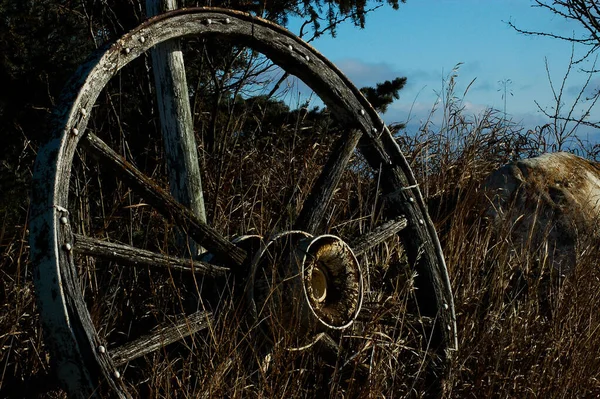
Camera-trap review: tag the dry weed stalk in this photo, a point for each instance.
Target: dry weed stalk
(522, 332)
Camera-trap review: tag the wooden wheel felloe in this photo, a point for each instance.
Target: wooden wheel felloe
(82, 357)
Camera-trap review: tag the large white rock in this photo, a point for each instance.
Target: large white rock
(549, 204)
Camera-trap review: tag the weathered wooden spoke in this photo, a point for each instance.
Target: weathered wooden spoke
(135, 256)
(164, 202)
(379, 235)
(161, 336)
(83, 365)
(320, 196)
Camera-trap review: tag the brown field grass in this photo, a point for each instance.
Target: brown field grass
(523, 331)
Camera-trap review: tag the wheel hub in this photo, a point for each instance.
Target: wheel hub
(317, 287)
(306, 284)
(332, 280)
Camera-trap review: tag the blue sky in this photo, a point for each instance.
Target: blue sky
(425, 39)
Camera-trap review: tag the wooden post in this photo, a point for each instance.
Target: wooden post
(176, 120)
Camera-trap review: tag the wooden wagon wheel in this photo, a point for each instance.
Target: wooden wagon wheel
(83, 361)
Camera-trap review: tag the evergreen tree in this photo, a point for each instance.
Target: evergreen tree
(42, 43)
(383, 94)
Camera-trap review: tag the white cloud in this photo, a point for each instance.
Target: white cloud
(366, 74)
(363, 73)
(474, 109)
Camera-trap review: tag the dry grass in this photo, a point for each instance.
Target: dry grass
(523, 332)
